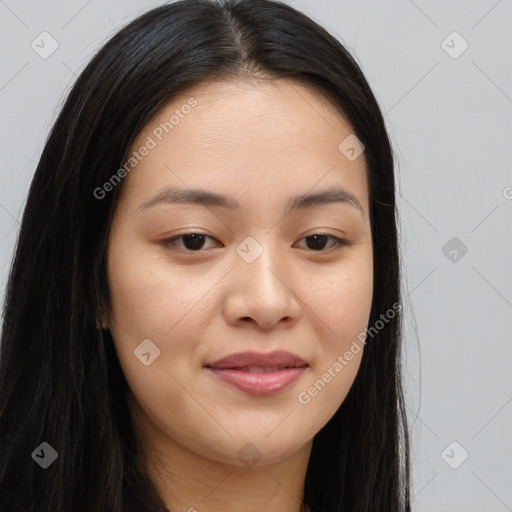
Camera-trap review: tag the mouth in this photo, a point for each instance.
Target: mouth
(259, 374)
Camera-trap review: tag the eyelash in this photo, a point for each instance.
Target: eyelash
(170, 241)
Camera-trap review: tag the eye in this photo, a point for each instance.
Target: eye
(318, 240)
(194, 241)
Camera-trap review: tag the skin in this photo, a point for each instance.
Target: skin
(260, 143)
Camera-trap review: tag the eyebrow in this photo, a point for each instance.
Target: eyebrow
(207, 198)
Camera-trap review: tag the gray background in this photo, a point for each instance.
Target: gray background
(450, 121)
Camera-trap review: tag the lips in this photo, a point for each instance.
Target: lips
(256, 362)
(257, 373)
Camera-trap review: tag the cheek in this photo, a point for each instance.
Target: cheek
(342, 308)
(345, 311)
(343, 301)
(151, 299)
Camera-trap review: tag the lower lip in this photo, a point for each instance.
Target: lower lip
(260, 383)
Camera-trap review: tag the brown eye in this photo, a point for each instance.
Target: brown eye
(317, 241)
(192, 242)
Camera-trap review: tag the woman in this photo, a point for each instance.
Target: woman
(249, 362)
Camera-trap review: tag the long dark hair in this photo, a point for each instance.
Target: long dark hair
(60, 379)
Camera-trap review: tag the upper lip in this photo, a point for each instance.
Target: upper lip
(243, 359)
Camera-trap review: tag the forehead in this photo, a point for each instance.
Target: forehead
(265, 138)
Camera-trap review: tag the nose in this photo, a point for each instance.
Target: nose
(262, 292)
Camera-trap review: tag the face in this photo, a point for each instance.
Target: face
(193, 282)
